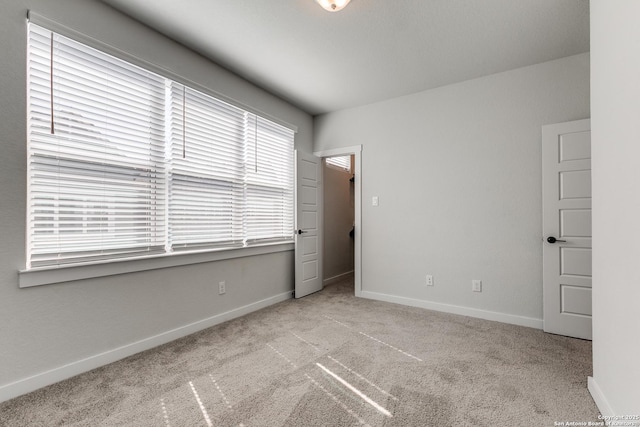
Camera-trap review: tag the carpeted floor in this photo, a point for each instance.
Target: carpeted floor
(331, 359)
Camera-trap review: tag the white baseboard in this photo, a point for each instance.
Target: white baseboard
(598, 397)
(456, 309)
(336, 279)
(26, 385)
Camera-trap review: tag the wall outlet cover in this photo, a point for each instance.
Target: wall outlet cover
(476, 285)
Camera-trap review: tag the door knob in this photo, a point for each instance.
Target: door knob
(552, 239)
(301, 231)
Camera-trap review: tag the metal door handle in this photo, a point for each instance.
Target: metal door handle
(552, 239)
(301, 231)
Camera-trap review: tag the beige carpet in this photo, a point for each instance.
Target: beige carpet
(331, 360)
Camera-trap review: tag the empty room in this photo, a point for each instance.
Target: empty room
(319, 212)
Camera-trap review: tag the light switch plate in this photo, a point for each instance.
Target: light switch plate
(374, 201)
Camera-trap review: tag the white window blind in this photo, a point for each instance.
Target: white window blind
(206, 174)
(269, 181)
(124, 162)
(96, 148)
(341, 162)
(231, 180)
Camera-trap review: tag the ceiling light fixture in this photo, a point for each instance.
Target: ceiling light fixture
(333, 5)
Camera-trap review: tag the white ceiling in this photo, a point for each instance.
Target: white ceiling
(373, 49)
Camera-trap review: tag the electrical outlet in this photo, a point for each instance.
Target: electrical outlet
(476, 285)
(429, 280)
(222, 288)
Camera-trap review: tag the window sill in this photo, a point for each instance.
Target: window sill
(49, 275)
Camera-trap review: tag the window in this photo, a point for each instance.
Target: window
(341, 162)
(269, 183)
(124, 162)
(207, 170)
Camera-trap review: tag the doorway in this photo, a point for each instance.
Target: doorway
(354, 188)
(338, 219)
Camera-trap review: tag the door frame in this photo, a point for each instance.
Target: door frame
(356, 151)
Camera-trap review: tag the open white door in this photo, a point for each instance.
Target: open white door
(566, 222)
(308, 252)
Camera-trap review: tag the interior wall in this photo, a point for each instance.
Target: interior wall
(458, 174)
(615, 136)
(338, 221)
(49, 327)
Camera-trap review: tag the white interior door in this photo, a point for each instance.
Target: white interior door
(566, 197)
(308, 252)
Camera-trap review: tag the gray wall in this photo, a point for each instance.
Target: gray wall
(338, 222)
(46, 327)
(458, 173)
(615, 136)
